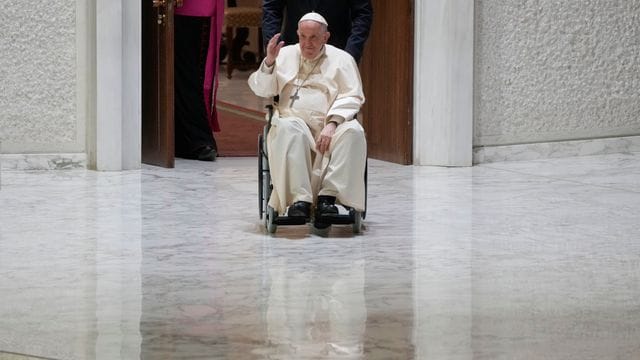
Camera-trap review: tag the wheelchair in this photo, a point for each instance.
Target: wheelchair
(271, 217)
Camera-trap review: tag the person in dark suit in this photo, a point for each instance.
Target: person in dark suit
(350, 21)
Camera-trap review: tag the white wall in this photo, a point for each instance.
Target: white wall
(67, 76)
(549, 71)
(38, 86)
(548, 79)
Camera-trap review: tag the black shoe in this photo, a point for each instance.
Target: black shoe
(300, 209)
(206, 153)
(320, 225)
(326, 206)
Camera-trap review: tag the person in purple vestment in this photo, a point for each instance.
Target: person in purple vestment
(198, 30)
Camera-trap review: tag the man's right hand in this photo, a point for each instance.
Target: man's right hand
(273, 49)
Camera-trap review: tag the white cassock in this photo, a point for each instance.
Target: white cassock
(328, 88)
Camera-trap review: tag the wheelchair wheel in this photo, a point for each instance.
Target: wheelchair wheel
(366, 181)
(269, 220)
(260, 177)
(356, 217)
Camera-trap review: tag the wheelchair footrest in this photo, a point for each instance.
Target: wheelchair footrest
(337, 219)
(286, 220)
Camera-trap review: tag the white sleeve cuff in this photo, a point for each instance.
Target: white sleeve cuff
(265, 68)
(334, 118)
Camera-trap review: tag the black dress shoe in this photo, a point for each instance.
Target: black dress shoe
(300, 209)
(206, 153)
(326, 206)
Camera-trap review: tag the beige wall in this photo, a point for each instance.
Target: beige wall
(39, 78)
(553, 70)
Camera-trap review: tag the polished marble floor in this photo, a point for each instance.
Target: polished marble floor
(520, 260)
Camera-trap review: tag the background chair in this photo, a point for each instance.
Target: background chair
(242, 17)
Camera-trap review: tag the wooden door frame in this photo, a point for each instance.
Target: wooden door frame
(158, 127)
(387, 74)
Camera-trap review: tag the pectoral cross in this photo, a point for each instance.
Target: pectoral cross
(294, 97)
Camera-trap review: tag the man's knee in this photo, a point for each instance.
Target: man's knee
(353, 135)
(291, 126)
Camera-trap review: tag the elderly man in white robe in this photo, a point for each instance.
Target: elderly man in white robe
(316, 146)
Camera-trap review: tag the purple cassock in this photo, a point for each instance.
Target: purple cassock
(215, 10)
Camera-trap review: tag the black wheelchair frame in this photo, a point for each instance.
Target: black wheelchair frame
(271, 217)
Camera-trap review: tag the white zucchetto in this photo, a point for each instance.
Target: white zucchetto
(314, 16)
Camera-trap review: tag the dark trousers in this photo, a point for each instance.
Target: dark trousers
(192, 129)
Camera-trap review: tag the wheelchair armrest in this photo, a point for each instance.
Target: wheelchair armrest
(270, 109)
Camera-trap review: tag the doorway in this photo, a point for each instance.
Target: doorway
(387, 73)
(387, 61)
(241, 113)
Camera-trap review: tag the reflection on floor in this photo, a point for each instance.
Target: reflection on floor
(522, 260)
